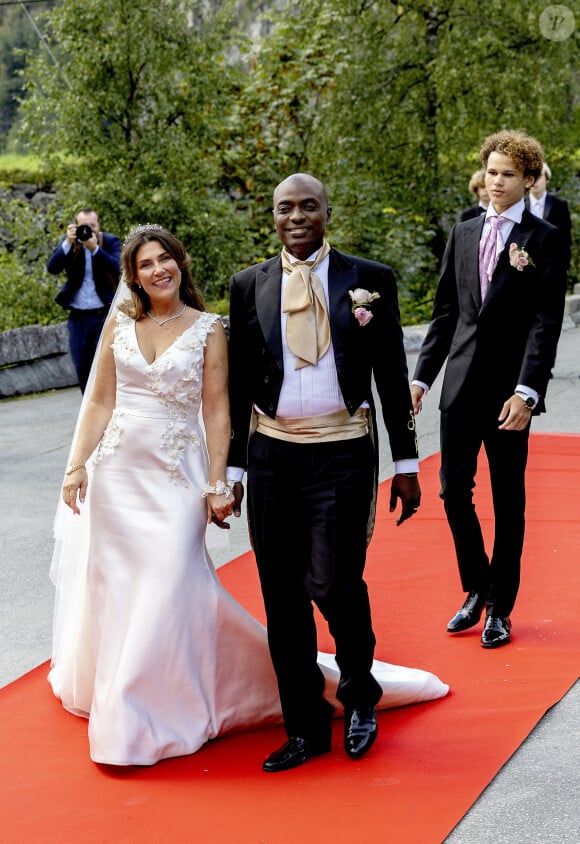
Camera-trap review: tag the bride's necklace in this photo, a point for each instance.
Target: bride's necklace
(169, 318)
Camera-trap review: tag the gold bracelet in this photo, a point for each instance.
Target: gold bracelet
(72, 469)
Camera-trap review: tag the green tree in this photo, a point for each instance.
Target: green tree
(17, 34)
(389, 104)
(130, 122)
(166, 112)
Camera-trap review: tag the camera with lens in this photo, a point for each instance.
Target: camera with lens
(84, 232)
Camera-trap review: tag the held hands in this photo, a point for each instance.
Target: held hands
(74, 489)
(417, 394)
(408, 490)
(238, 498)
(514, 416)
(219, 507)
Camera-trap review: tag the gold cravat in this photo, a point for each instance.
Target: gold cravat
(307, 327)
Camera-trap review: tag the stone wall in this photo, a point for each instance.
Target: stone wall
(34, 359)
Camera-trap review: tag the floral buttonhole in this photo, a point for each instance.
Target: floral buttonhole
(519, 258)
(361, 300)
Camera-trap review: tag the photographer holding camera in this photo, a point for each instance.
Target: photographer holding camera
(91, 261)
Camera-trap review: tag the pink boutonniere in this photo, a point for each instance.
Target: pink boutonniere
(361, 300)
(519, 258)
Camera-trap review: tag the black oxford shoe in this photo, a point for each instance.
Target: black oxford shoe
(469, 614)
(497, 632)
(293, 753)
(360, 730)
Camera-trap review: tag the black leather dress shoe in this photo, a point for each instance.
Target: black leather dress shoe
(360, 730)
(497, 632)
(469, 614)
(294, 752)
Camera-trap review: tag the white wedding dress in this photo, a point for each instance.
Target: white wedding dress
(147, 643)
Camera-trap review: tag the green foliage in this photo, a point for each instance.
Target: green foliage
(389, 104)
(218, 306)
(275, 115)
(16, 34)
(27, 291)
(425, 84)
(27, 294)
(130, 124)
(168, 112)
(15, 168)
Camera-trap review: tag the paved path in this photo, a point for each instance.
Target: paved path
(534, 798)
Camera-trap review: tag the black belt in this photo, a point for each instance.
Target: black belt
(89, 311)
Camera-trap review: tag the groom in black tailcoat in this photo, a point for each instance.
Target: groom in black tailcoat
(308, 330)
(497, 318)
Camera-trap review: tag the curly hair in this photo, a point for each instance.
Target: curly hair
(140, 303)
(526, 152)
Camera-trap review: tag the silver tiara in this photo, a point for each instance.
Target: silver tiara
(146, 229)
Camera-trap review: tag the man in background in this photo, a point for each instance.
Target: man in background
(548, 206)
(91, 261)
(477, 187)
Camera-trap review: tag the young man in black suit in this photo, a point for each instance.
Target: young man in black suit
(308, 329)
(497, 318)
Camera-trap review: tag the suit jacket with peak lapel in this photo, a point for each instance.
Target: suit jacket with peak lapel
(557, 212)
(256, 363)
(106, 269)
(512, 337)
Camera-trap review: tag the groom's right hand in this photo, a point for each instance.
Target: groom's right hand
(238, 491)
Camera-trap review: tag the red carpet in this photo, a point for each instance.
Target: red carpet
(431, 761)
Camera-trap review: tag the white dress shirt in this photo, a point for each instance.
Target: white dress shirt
(538, 206)
(86, 297)
(312, 390)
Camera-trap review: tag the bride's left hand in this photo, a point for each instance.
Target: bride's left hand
(74, 489)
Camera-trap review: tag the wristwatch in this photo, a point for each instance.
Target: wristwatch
(529, 402)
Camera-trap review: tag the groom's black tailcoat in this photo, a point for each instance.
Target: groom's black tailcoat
(256, 364)
(491, 347)
(308, 504)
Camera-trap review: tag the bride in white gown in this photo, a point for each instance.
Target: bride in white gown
(147, 644)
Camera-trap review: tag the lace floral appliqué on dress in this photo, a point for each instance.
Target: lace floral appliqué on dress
(175, 381)
(111, 437)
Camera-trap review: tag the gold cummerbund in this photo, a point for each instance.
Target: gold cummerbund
(329, 427)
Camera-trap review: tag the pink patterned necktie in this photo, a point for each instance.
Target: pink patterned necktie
(490, 248)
